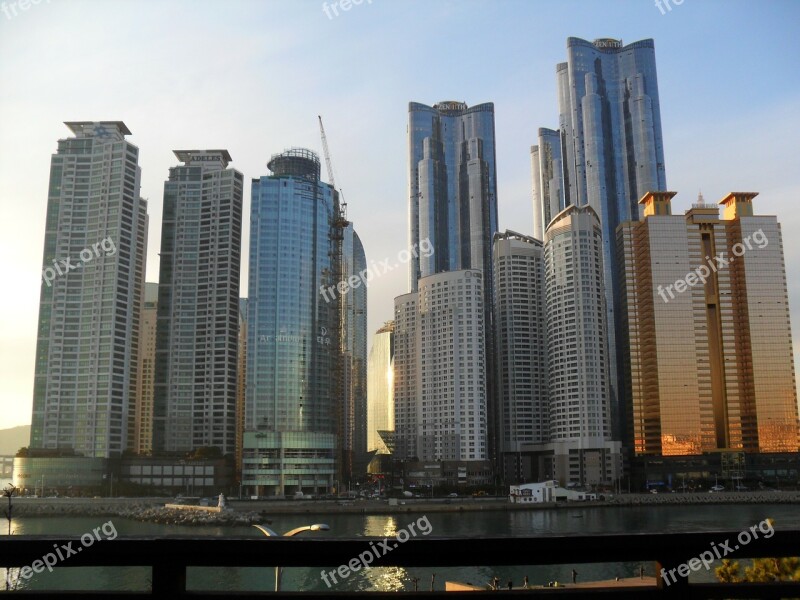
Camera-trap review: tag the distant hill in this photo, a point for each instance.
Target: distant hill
(13, 439)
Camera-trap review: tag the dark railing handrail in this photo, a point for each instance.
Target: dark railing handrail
(170, 555)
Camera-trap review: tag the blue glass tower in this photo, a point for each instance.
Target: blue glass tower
(612, 154)
(293, 340)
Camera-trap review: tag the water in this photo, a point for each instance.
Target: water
(572, 521)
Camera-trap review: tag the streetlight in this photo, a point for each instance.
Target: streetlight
(270, 533)
(9, 491)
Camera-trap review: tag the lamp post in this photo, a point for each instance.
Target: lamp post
(9, 491)
(270, 533)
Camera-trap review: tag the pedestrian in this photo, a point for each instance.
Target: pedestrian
(510, 585)
(641, 571)
(525, 583)
(574, 576)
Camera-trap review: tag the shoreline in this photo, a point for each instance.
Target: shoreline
(248, 512)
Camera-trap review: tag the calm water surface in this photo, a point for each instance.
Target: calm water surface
(572, 521)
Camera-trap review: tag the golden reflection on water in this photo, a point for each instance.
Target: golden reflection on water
(384, 579)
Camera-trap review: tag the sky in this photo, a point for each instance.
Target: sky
(252, 76)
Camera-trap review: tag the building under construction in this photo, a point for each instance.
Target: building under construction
(302, 344)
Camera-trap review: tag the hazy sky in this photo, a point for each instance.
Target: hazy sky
(252, 76)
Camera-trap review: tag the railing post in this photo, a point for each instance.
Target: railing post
(169, 579)
(671, 583)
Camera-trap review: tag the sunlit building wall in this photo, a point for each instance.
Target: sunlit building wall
(380, 390)
(710, 359)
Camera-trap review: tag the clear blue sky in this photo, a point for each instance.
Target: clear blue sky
(251, 76)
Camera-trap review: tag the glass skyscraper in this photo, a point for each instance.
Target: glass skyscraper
(353, 411)
(87, 350)
(293, 400)
(452, 186)
(198, 305)
(612, 153)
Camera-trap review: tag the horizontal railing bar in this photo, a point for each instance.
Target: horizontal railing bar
(183, 551)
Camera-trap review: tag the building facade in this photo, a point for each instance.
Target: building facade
(580, 449)
(440, 386)
(198, 305)
(87, 351)
(612, 153)
(521, 337)
(294, 380)
(380, 391)
(710, 363)
(353, 413)
(147, 370)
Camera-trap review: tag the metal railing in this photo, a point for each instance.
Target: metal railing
(169, 557)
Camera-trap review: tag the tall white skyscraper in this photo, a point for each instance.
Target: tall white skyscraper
(198, 304)
(87, 350)
(521, 337)
(580, 449)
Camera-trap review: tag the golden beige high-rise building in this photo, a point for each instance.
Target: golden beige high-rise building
(710, 359)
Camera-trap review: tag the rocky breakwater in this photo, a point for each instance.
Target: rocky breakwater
(146, 510)
(755, 497)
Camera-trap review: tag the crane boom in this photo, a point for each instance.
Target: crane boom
(343, 207)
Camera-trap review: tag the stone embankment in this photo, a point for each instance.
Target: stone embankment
(149, 510)
(755, 497)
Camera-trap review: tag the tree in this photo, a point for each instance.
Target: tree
(23, 452)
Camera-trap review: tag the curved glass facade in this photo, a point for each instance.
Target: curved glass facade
(292, 330)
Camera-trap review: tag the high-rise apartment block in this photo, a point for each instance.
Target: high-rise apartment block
(198, 305)
(580, 448)
(440, 386)
(710, 362)
(87, 351)
(521, 339)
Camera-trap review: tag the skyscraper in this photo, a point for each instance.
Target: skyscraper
(380, 391)
(198, 304)
(452, 186)
(440, 388)
(147, 371)
(710, 364)
(612, 153)
(580, 448)
(293, 331)
(452, 205)
(87, 350)
(353, 413)
(521, 338)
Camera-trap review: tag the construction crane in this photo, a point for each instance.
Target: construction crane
(338, 226)
(342, 206)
